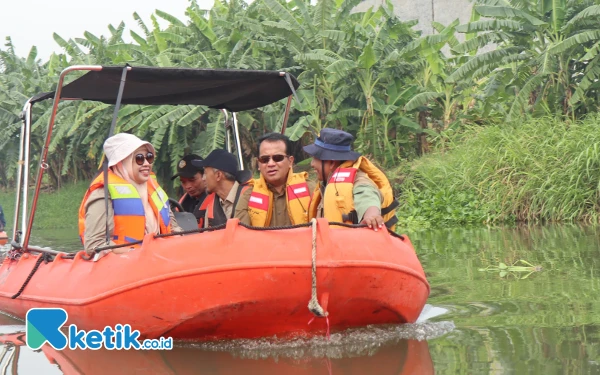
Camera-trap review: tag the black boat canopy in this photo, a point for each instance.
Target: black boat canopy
(233, 90)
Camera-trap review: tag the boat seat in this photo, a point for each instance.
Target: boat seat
(186, 220)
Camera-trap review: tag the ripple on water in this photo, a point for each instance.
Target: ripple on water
(350, 343)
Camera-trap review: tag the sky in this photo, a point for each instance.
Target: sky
(32, 22)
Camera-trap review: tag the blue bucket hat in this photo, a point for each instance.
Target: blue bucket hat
(332, 144)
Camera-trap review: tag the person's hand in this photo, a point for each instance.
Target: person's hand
(373, 218)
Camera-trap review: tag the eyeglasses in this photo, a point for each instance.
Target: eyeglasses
(139, 158)
(276, 158)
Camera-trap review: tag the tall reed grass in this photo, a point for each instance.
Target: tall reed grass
(539, 170)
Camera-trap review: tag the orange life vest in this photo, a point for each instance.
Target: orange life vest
(260, 206)
(339, 198)
(207, 209)
(129, 218)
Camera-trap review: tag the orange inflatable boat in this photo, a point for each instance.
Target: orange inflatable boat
(235, 282)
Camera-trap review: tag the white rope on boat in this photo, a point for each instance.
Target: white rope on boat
(313, 304)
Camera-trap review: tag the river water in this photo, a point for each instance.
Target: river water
(488, 313)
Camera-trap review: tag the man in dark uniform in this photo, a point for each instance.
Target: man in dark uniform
(193, 184)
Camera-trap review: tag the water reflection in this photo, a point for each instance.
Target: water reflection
(392, 356)
(61, 240)
(56, 239)
(547, 323)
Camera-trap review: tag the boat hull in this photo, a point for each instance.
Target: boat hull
(231, 283)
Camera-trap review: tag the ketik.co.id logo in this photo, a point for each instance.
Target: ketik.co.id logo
(44, 325)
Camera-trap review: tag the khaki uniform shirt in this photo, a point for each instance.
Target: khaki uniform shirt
(227, 204)
(280, 216)
(241, 209)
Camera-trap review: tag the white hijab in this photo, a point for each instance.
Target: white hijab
(123, 167)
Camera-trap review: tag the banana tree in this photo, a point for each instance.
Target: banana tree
(544, 50)
(439, 102)
(20, 79)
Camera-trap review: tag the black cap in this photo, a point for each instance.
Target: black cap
(219, 159)
(224, 161)
(186, 169)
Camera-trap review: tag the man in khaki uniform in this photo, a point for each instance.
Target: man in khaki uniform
(226, 185)
(280, 197)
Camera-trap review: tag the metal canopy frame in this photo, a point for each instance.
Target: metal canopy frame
(22, 234)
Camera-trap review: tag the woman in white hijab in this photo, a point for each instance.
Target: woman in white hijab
(130, 165)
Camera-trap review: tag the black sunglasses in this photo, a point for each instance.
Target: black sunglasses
(276, 158)
(139, 158)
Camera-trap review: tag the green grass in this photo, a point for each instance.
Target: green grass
(541, 170)
(56, 210)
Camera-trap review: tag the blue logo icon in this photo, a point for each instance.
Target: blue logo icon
(43, 325)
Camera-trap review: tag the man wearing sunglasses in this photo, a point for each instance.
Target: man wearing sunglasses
(227, 188)
(192, 183)
(279, 196)
(351, 188)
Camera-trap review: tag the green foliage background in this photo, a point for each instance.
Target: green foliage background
(400, 93)
(541, 170)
